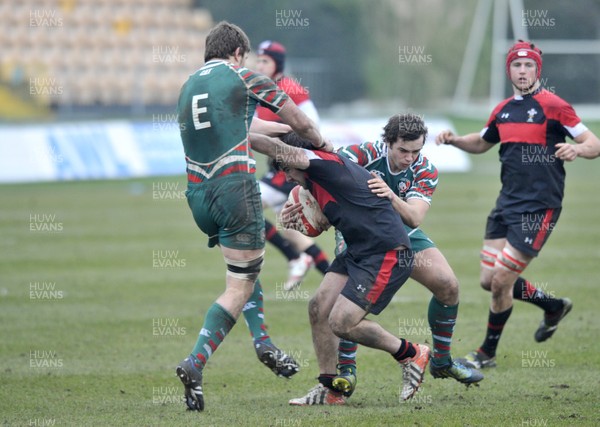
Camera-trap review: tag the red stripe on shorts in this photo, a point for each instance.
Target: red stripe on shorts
(541, 235)
(383, 277)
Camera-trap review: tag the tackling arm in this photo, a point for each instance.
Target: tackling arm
(303, 126)
(268, 128)
(412, 211)
(287, 155)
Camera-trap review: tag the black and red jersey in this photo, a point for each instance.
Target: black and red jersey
(528, 129)
(293, 89)
(368, 223)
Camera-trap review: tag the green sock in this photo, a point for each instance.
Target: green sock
(254, 315)
(442, 319)
(217, 323)
(347, 355)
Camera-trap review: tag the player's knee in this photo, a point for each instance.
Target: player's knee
(339, 325)
(452, 291)
(446, 290)
(485, 281)
(245, 270)
(506, 270)
(501, 283)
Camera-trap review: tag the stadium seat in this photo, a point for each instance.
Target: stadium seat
(98, 50)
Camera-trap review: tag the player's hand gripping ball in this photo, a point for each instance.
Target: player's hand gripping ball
(308, 219)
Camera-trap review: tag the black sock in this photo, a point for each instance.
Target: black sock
(280, 242)
(319, 258)
(327, 380)
(496, 324)
(523, 290)
(406, 350)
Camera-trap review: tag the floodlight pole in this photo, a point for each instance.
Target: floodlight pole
(472, 53)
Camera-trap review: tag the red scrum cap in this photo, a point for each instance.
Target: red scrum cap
(274, 50)
(523, 49)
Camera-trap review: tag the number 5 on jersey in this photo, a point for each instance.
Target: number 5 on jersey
(197, 110)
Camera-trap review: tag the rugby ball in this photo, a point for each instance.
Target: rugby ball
(310, 221)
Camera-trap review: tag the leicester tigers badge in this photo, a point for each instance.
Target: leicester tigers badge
(403, 186)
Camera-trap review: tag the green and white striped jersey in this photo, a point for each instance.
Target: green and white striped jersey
(215, 109)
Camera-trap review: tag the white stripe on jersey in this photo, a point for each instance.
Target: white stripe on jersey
(311, 154)
(576, 130)
(219, 165)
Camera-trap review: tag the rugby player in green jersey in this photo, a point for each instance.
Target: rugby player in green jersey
(408, 179)
(215, 109)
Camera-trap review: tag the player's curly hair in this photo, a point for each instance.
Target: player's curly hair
(223, 40)
(406, 126)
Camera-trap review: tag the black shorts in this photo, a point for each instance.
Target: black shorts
(373, 280)
(526, 231)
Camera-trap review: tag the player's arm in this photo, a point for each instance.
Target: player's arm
(303, 126)
(268, 128)
(308, 108)
(412, 211)
(266, 92)
(286, 155)
(588, 147)
(471, 143)
(364, 153)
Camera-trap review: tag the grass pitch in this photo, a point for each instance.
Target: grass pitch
(104, 285)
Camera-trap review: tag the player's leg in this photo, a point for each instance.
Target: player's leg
(347, 321)
(523, 289)
(324, 341)
(275, 359)
(273, 198)
(535, 229)
(242, 270)
(372, 283)
(510, 262)
(277, 239)
(496, 231)
(526, 291)
(538, 226)
(254, 315)
(274, 193)
(432, 270)
(224, 210)
(299, 266)
(488, 255)
(308, 246)
(347, 376)
(268, 353)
